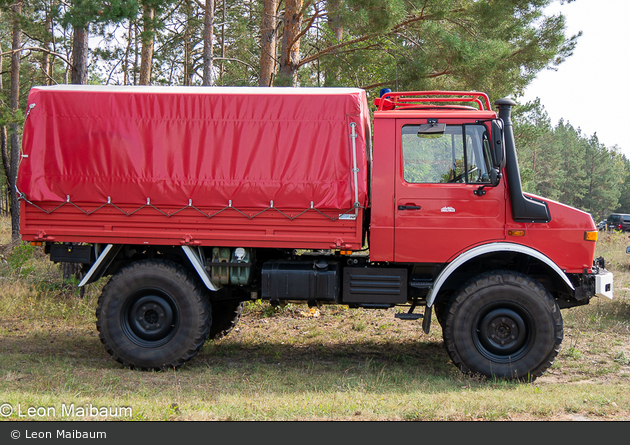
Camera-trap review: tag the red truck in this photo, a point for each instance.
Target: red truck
(195, 200)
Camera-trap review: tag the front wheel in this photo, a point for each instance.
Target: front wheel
(153, 314)
(503, 324)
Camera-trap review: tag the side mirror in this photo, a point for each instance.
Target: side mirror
(498, 144)
(495, 178)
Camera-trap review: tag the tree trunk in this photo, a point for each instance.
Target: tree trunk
(148, 36)
(4, 149)
(268, 42)
(188, 68)
(290, 53)
(332, 75)
(79, 56)
(334, 20)
(125, 62)
(222, 67)
(46, 59)
(136, 52)
(16, 45)
(208, 55)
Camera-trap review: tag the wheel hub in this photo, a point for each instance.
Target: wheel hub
(150, 319)
(502, 331)
(502, 334)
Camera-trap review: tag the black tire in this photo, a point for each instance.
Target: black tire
(440, 312)
(153, 315)
(503, 324)
(225, 316)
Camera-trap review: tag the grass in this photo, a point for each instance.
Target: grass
(293, 363)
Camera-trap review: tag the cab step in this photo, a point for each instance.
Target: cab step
(407, 316)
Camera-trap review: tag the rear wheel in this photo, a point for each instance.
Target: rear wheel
(225, 316)
(153, 314)
(503, 324)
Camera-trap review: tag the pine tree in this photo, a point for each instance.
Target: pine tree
(81, 14)
(268, 42)
(604, 176)
(14, 108)
(624, 189)
(208, 53)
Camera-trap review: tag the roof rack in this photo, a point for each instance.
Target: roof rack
(423, 99)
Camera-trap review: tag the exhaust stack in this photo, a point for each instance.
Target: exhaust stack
(524, 208)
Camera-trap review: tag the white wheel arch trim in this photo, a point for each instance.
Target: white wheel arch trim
(196, 262)
(490, 248)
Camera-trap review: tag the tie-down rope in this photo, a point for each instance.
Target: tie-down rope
(22, 196)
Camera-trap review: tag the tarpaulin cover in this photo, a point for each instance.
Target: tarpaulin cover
(210, 145)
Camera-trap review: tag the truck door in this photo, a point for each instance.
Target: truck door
(445, 202)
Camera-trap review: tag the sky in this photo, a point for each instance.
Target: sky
(591, 89)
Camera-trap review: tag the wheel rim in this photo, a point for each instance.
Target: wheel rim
(150, 318)
(503, 332)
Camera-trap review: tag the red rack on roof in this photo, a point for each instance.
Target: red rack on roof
(423, 99)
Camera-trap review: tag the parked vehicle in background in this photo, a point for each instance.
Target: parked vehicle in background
(624, 223)
(618, 221)
(613, 220)
(601, 225)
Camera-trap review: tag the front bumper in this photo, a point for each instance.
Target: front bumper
(603, 283)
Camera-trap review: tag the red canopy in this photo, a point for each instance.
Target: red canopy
(211, 145)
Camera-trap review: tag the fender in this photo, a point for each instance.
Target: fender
(101, 264)
(109, 253)
(196, 262)
(489, 248)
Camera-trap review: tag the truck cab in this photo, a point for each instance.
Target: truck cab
(447, 195)
(457, 190)
(455, 213)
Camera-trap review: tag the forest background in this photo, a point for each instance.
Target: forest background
(495, 46)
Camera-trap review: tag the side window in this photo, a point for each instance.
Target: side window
(478, 154)
(433, 158)
(460, 155)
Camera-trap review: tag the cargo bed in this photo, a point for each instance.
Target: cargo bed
(196, 166)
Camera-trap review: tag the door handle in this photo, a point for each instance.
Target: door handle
(409, 207)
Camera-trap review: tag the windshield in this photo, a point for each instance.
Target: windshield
(460, 155)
